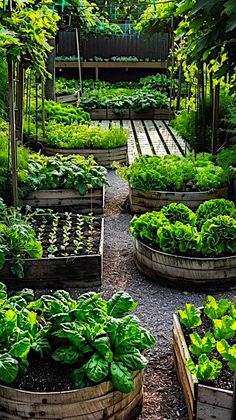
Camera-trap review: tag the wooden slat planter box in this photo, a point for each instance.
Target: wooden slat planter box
(130, 114)
(187, 273)
(93, 201)
(112, 64)
(142, 201)
(203, 402)
(99, 402)
(104, 157)
(83, 271)
(67, 98)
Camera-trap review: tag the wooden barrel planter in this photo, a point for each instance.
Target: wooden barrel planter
(93, 201)
(185, 273)
(84, 271)
(203, 402)
(100, 402)
(142, 201)
(103, 157)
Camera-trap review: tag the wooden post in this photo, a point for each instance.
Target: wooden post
(78, 58)
(12, 133)
(50, 92)
(43, 110)
(179, 86)
(20, 103)
(216, 106)
(233, 417)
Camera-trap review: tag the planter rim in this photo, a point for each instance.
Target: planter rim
(134, 373)
(84, 148)
(185, 257)
(178, 192)
(55, 392)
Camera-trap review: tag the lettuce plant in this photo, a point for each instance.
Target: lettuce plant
(224, 328)
(190, 317)
(228, 353)
(100, 339)
(177, 238)
(178, 212)
(212, 208)
(174, 173)
(214, 309)
(202, 345)
(218, 236)
(205, 369)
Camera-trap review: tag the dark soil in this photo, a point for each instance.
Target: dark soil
(163, 398)
(91, 232)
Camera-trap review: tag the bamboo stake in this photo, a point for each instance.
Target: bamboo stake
(216, 106)
(12, 133)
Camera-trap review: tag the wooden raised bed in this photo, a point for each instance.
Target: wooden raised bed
(130, 114)
(83, 271)
(93, 201)
(72, 99)
(99, 402)
(142, 201)
(203, 402)
(103, 157)
(187, 273)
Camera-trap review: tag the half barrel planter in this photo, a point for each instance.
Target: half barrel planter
(100, 402)
(185, 273)
(203, 402)
(143, 201)
(92, 202)
(84, 271)
(103, 157)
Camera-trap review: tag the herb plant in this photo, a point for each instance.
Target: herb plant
(98, 338)
(228, 353)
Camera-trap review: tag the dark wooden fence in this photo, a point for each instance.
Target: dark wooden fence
(141, 46)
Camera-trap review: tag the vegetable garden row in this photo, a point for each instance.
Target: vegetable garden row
(68, 350)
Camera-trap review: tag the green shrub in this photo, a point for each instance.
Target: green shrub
(212, 208)
(79, 136)
(227, 157)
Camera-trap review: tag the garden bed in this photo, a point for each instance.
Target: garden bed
(203, 402)
(187, 273)
(92, 202)
(100, 402)
(104, 157)
(142, 201)
(130, 114)
(72, 257)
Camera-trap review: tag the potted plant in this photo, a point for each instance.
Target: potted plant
(91, 351)
(187, 250)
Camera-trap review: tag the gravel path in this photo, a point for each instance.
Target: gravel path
(163, 396)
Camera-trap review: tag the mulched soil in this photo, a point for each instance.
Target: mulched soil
(163, 398)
